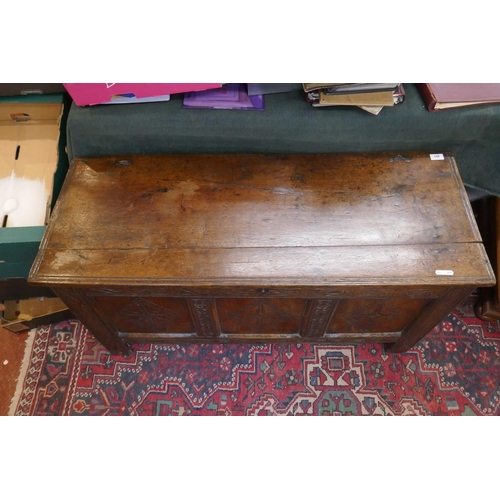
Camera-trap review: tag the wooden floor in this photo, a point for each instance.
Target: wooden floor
(11, 357)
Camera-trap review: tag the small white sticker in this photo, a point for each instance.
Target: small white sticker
(444, 272)
(437, 156)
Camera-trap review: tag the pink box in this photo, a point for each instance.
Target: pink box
(89, 94)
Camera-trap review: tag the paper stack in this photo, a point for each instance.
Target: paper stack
(371, 97)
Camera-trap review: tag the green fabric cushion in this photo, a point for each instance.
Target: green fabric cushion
(290, 125)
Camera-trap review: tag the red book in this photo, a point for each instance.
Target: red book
(439, 96)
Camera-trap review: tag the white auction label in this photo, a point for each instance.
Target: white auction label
(444, 272)
(437, 156)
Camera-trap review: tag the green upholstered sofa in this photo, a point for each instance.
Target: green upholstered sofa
(290, 125)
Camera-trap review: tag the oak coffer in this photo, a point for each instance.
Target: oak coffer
(325, 248)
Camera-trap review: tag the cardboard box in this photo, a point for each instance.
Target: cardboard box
(90, 94)
(33, 164)
(21, 315)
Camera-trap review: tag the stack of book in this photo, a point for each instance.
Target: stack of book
(371, 97)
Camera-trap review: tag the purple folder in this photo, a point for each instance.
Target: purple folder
(229, 96)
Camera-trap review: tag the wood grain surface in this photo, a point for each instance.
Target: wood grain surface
(244, 217)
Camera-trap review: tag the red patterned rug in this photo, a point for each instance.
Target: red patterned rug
(455, 370)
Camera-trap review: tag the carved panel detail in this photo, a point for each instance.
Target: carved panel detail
(317, 317)
(260, 316)
(374, 315)
(153, 316)
(202, 313)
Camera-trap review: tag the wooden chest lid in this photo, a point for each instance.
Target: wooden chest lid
(309, 218)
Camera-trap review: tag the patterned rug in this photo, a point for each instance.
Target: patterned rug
(454, 370)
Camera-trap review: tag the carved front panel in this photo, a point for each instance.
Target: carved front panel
(147, 314)
(374, 315)
(202, 313)
(260, 316)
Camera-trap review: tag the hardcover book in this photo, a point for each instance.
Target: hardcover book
(268, 88)
(438, 96)
(375, 99)
(348, 88)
